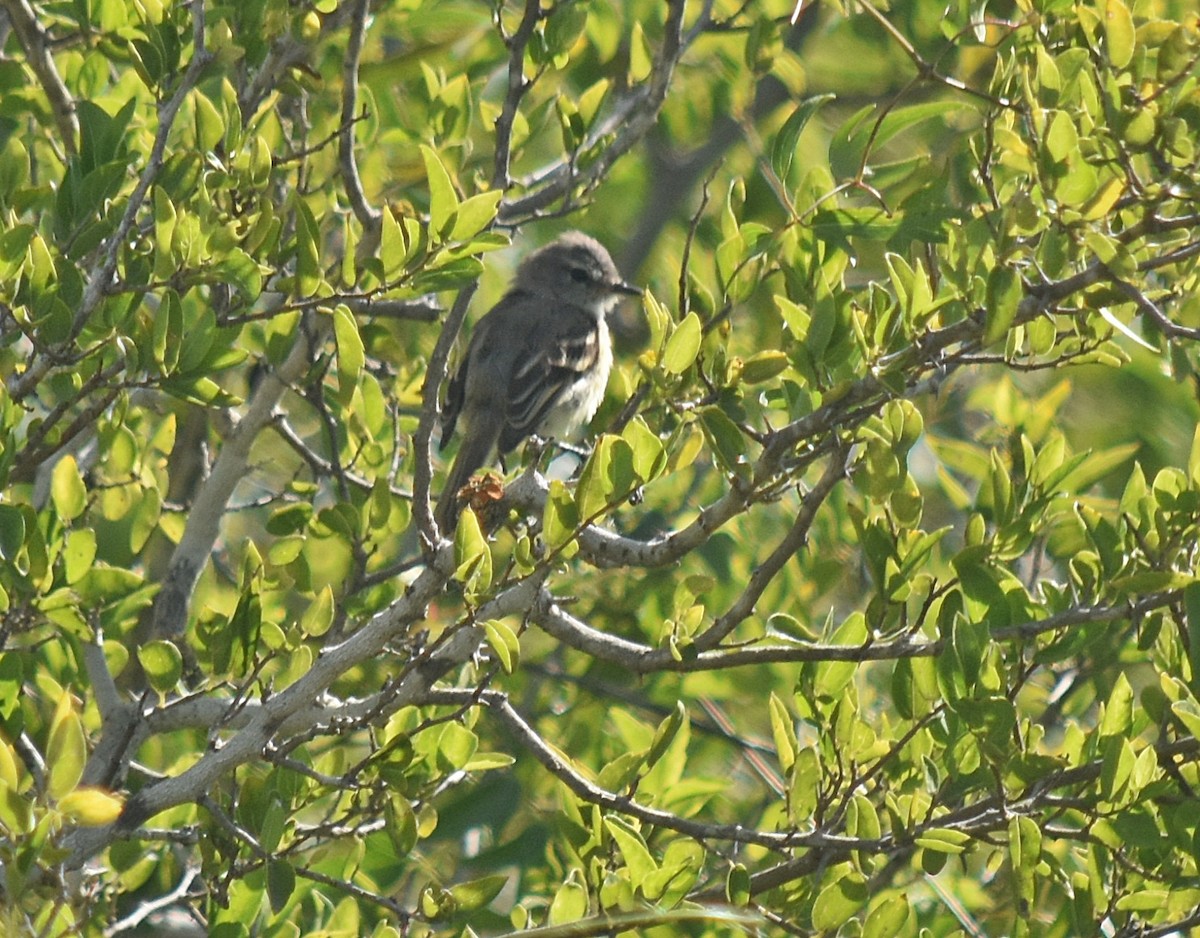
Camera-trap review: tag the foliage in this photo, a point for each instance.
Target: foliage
(874, 609)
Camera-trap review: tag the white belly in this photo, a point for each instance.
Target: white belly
(581, 399)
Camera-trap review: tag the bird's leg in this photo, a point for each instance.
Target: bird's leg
(583, 452)
(536, 447)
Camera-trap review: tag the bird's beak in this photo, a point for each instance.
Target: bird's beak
(628, 289)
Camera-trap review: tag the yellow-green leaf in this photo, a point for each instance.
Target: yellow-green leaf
(504, 643)
(633, 848)
(319, 615)
(91, 807)
(65, 749)
(67, 489)
(475, 214)
(351, 355)
(570, 902)
(443, 202)
(1119, 34)
(683, 346)
(472, 557)
(162, 663)
(9, 776)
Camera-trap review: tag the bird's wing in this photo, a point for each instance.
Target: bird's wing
(455, 394)
(554, 357)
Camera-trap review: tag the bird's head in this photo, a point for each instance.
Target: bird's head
(576, 269)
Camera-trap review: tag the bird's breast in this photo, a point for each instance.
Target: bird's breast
(582, 397)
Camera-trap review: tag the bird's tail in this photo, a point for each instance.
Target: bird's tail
(475, 451)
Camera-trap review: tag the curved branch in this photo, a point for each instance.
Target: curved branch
(435, 374)
(518, 87)
(528, 737)
(607, 549)
(796, 537)
(102, 277)
(368, 216)
(204, 520)
(37, 53)
(630, 122)
(264, 723)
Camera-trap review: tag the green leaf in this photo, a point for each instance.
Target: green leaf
(783, 147)
(1062, 139)
(683, 346)
(241, 271)
(209, 126)
(737, 885)
(456, 746)
(400, 824)
(887, 919)
(281, 883)
(764, 366)
(783, 731)
(472, 556)
(560, 520)
(504, 642)
(726, 439)
(308, 252)
(1191, 606)
(837, 902)
(66, 749)
(594, 489)
(443, 202)
(12, 531)
(91, 807)
(1119, 34)
(1118, 711)
(832, 677)
(67, 489)
(485, 761)
(475, 894)
(319, 615)
(943, 840)
(666, 733)
(1004, 293)
(163, 664)
(570, 902)
(565, 26)
(648, 453)
(9, 776)
(393, 244)
(351, 355)
(620, 773)
(1029, 850)
(633, 848)
(79, 554)
(475, 214)
(1117, 768)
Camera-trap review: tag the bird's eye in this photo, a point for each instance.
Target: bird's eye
(581, 275)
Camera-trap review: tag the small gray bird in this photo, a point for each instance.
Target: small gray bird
(538, 362)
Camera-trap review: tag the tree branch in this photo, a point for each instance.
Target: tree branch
(435, 374)
(36, 44)
(102, 277)
(204, 521)
(368, 216)
(263, 724)
(630, 122)
(518, 87)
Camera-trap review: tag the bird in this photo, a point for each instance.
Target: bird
(538, 361)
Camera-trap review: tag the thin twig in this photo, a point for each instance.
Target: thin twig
(368, 216)
(435, 374)
(102, 277)
(518, 87)
(35, 42)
